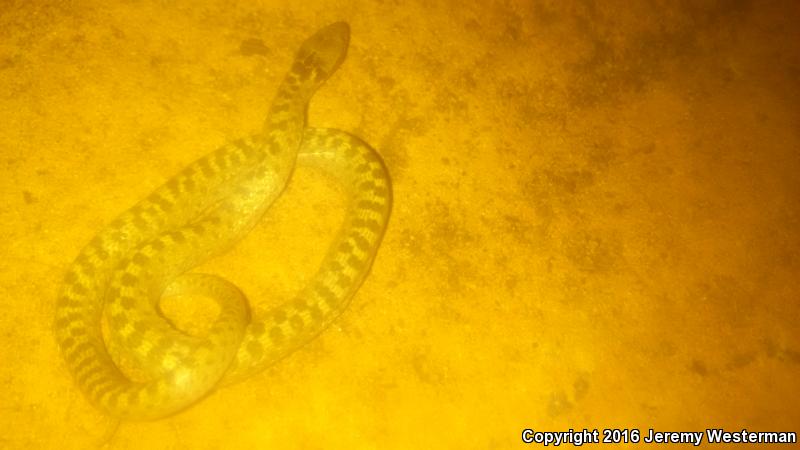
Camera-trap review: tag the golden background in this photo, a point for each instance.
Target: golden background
(595, 220)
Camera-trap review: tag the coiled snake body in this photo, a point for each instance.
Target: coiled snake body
(146, 252)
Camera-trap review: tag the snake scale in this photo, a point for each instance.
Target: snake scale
(108, 310)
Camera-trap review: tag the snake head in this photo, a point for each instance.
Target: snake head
(321, 54)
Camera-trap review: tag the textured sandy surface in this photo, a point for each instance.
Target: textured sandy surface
(595, 222)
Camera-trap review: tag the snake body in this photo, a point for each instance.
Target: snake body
(120, 276)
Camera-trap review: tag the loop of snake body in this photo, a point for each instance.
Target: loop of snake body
(120, 276)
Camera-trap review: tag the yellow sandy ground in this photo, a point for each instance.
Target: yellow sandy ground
(596, 220)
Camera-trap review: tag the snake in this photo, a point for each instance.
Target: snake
(127, 358)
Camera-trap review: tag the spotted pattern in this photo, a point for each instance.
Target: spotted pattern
(107, 314)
